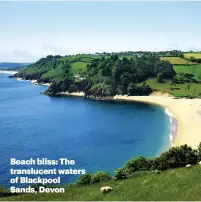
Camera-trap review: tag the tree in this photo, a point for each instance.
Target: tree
(114, 57)
(131, 89)
(188, 86)
(159, 78)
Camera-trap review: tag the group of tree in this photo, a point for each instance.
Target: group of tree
(175, 157)
(193, 59)
(107, 77)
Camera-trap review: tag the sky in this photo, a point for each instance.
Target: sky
(31, 30)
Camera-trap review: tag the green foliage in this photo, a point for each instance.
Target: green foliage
(172, 185)
(194, 70)
(177, 60)
(159, 78)
(110, 74)
(123, 75)
(121, 173)
(73, 88)
(85, 179)
(100, 176)
(137, 164)
(175, 157)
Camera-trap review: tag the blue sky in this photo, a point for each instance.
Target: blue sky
(31, 30)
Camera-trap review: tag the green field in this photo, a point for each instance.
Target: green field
(78, 67)
(179, 90)
(172, 185)
(190, 69)
(195, 55)
(177, 60)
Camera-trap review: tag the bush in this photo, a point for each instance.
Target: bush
(100, 176)
(176, 157)
(121, 173)
(137, 164)
(84, 179)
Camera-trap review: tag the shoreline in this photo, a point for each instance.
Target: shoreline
(8, 72)
(184, 114)
(34, 82)
(185, 111)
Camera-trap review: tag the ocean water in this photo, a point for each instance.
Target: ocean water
(97, 135)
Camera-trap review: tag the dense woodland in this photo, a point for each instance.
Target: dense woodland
(104, 76)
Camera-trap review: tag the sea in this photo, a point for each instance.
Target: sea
(97, 135)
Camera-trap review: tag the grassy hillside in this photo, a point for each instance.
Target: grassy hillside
(190, 69)
(177, 60)
(172, 185)
(57, 68)
(78, 67)
(178, 90)
(195, 55)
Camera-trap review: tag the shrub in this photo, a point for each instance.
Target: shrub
(100, 176)
(84, 179)
(176, 157)
(137, 164)
(121, 173)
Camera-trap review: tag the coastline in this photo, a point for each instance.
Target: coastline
(186, 111)
(33, 82)
(184, 114)
(8, 72)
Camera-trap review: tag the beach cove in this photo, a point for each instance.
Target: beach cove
(84, 130)
(186, 112)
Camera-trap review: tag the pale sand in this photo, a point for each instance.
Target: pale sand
(186, 111)
(78, 94)
(8, 72)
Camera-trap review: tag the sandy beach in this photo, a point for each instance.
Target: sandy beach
(78, 94)
(186, 111)
(8, 72)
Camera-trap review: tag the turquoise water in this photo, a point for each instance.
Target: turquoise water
(97, 135)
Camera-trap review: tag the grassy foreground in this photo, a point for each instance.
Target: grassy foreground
(177, 184)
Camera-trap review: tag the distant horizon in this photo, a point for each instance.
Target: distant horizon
(199, 51)
(32, 30)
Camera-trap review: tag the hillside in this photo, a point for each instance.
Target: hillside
(173, 185)
(133, 73)
(195, 55)
(177, 60)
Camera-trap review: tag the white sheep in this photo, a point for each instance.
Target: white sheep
(200, 162)
(106, 189)
(188, 165)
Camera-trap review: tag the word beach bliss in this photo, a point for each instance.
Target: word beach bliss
(42, 161)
